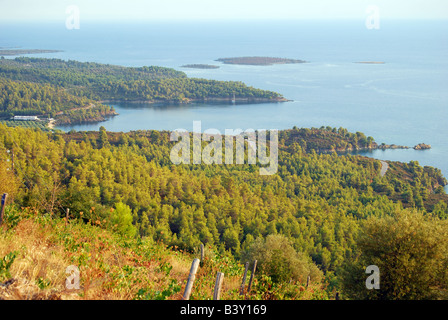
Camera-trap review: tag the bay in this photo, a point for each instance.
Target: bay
(403, 101)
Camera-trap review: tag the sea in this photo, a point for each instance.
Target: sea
(403, 100)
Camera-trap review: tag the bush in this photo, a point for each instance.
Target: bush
(8, 182)
(121, 219)
(277, 259)
(411, 252)
(5, 265)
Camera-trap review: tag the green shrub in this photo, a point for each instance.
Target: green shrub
(5, 264)
(410, 251)
(277, 259)
(150, 294)
(121, 219)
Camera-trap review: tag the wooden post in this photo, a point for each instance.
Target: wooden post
(243, 283)
(3, 205)
(202, 254)
(252, 275)
(218, 285)
(191, 277)
(12, 159)
(66, 216)
(308, 281)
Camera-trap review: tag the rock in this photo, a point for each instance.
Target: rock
(391, 146)
(422, 146)
(7, 283)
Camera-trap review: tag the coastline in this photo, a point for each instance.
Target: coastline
(19, 52)
(188, 101)
(375, 146)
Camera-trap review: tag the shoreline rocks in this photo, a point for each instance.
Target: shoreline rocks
(422, 146)
(391, 146)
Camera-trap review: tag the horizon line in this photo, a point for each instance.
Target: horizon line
(140, 20)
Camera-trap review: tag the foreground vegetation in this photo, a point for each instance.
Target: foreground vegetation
(322, 215)
(37, 248)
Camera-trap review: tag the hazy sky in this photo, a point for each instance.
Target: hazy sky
(221, 9)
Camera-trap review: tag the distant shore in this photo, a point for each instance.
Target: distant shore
(17, 52)
(200, 66)
(371, 62)
(258, 61)
(204, 100)
(375, 146)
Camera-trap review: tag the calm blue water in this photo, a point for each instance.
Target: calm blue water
(403, 101)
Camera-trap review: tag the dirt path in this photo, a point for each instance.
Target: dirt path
(384, 167)
(90, 106)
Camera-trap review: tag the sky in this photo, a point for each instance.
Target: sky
(118, 10)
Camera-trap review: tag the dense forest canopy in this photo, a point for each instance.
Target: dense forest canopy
(317, 201)
(48, 101)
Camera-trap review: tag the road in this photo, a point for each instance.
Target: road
(384, 167)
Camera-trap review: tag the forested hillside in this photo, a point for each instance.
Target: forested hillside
(28, 98)
(317, 203)
(53, 87)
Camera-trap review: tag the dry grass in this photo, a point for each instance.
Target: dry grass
(111, 267)
(37, 262)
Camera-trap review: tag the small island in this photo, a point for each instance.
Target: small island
(17, 52)
(258, 61)
(371, 62)
(422, 146)
(200, 66)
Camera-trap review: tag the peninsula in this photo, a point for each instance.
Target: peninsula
(258, 61)
(75, 92)
(17, 52)
(328, 139)
(200, 66)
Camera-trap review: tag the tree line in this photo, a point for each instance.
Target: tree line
(109, 82)
(318, 202)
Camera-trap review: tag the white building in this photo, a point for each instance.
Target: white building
(26, 118)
